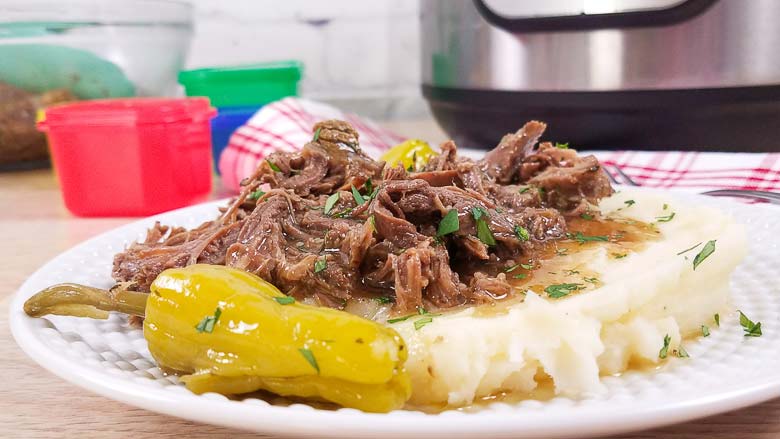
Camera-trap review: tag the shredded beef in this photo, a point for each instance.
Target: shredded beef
(501, 163)
(567, 180)
(389, 245)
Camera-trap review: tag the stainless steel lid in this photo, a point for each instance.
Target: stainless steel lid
(576, 46)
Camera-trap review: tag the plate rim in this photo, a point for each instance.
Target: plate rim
(279, 420)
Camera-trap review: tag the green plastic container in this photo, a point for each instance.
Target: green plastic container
(255, 84)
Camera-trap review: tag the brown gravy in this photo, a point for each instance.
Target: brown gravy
(552, 262)
(548, 264)
(620, 237)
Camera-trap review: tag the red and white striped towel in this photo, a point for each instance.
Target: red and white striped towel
(697, 171)
(286, 126)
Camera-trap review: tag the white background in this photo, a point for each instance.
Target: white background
(361, 54)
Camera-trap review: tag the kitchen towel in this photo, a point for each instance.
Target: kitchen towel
(286, 126)
(697, 171)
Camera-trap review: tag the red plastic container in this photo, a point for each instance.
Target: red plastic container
(131, 157)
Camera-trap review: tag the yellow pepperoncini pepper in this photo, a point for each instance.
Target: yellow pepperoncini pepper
(412, 154)
(231, 332)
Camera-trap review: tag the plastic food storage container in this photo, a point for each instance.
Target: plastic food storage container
(53, 51)
(228, 119)
(251, 85)
(238, 92)
(131, 157)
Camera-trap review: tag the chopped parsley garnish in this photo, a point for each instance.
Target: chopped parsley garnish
(561, 290)
(562, 251)
(256, 194)
(478, 212)
(706, 251)
(285, 300)
(591, 280)
(520, 276)
(384, 299)
(665, 219)
(330, 202)
(619, 255)
(586, 216)
(562, 145)
(541, 191)
(398, 319)
(705, 331)
(665, 349)
(371, 220)
(629, 203)
(511, 268)
(527, 266)
(751, 329)
(582, 239)
(666, 206)
(356, 195)
(522, 233)
(688, 249)
(716, 317)
(208, 322)
(483, 230)
(419, 323)
(316, 135)
(369, 185)
(309, 356)
(320, 264)
(273, 166)
(449, 224)
(343, 213)
(524, 189)
(571, 272)
(484, 234)
(681, 352)
(411, 166)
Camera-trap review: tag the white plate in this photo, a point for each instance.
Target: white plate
(726, 370)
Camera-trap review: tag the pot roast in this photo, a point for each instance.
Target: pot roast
(331, 224)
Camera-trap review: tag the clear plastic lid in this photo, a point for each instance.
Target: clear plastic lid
(62, 13)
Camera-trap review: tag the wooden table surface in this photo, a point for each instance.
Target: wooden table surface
(35, 226)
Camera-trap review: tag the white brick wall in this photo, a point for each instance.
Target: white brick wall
(363, 54)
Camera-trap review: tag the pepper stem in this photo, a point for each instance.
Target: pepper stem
(84, 301)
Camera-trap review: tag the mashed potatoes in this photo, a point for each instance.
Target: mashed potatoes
(475, 352)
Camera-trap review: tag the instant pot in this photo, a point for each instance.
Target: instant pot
(658, 74)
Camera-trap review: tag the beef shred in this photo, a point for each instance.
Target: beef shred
(331, 224)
